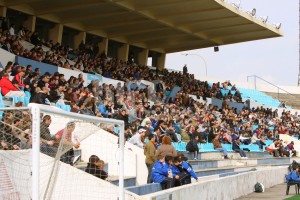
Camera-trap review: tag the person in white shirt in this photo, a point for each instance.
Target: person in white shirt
(12, 29)
(137, 138)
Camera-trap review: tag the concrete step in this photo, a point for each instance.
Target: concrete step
(232, 169)
(128, 181)
(205, 164)
(145, 189)
(219, 155)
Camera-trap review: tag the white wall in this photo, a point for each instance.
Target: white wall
(226, 188)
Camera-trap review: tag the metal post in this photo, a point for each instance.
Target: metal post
(255, 82)
(278, 93)
(35, 111)
(121, 164)
(205, 63)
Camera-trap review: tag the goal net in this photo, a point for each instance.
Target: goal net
(47, 153)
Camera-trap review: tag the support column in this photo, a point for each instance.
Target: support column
(161, 61)
(56, 32)
(143, 57)
(30, 23)
(103, 46)
(79, 38)
(3, 11)
(123, 52)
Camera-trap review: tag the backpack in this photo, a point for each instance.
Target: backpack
(259, 187)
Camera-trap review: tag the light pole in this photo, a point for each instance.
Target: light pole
(193, 54)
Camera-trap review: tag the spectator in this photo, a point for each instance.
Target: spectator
(96, 167)
(8, 89)
(137, 138)
(166, 148)
(192, 146)
(47, 140)
(186, 171)
(149, 152)
(160, 174)
(290, 149)
(67, 143)
(218, 147)
(236, 148)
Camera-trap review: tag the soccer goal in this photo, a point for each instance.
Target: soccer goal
(47, 153)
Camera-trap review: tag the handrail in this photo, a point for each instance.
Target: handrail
(279, 88)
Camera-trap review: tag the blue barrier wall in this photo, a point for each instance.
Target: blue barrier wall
(43, 66)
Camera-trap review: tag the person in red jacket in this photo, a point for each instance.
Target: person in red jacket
(8, 89)
(19, 78)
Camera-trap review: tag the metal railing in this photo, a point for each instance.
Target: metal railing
(278, 88)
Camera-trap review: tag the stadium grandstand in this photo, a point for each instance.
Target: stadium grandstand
(75, 80)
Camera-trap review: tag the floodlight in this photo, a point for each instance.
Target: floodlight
(252, 12)
(277, 26)
(264, 19)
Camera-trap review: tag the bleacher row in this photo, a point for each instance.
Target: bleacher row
(209, 147)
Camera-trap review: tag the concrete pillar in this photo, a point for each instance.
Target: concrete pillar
(3, 11)
(78, 38)
(30, 23)
(143, 57)
(56, 33)
(161, 61)
(123, 52)
(103, 46)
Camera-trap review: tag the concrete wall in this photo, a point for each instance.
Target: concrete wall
(226, 188)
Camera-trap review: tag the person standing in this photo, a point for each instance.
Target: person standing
(149, 152)
(67, 145)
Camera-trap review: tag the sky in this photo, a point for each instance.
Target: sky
(275, 59)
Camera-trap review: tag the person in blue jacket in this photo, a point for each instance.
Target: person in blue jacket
(175, 171)
(160, 174)
(186, 171)
(293, 175)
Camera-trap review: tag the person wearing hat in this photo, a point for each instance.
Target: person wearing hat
(137, 138)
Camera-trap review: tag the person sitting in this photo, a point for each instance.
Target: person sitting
(192, 146)
(96, 167)
(186, 171)
(293, 175)
(290, 149)
(236, 148)
(160, 173)
(8, 89)
(218, 146)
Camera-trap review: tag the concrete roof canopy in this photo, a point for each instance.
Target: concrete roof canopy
(165, 26)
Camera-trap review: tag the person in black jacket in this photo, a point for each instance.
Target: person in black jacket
(96, 167)
(236, 148)
(192, 146)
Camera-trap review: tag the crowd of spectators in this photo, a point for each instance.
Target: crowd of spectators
(132, 101)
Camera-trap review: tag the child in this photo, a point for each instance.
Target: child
(293, 175)
(186, 171)
(160, 172)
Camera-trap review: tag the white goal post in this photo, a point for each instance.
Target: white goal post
(34, 173)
